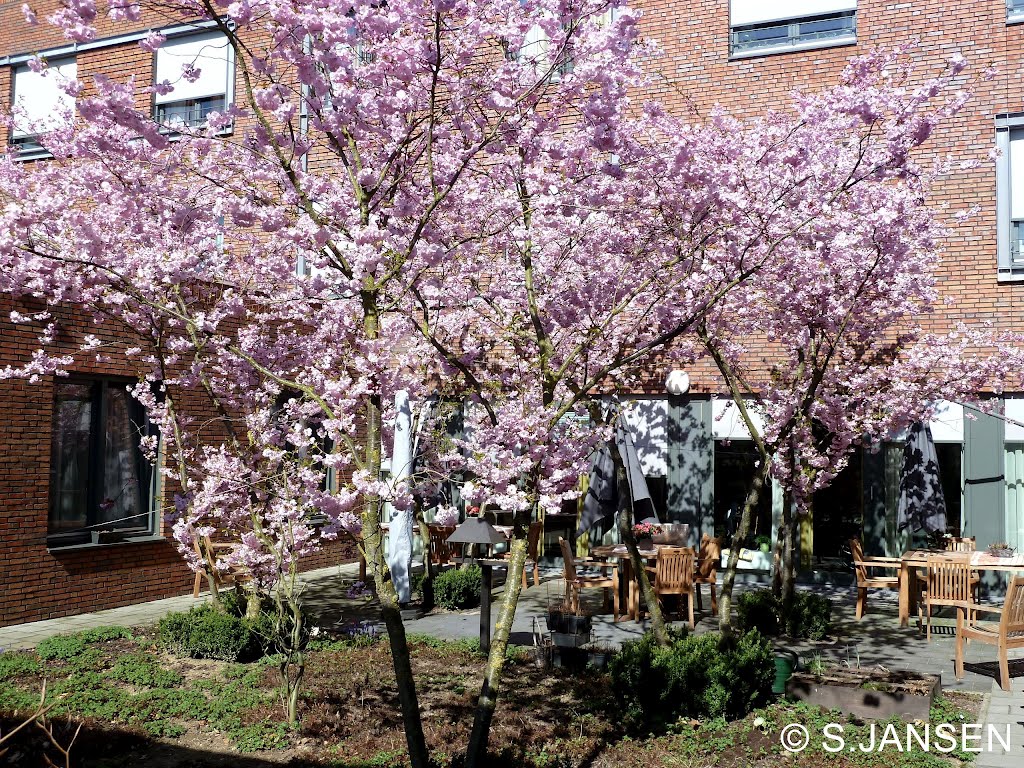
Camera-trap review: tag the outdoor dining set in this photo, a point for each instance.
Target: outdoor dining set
(950, 577)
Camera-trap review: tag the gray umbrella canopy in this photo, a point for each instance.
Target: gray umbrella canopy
(922, 505)
(601, 501)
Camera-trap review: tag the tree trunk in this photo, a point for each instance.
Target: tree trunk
(374, 546)
(625, 517)
(741, 534)
(476, 753)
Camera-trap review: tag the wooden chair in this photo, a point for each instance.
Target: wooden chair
(708, 558)
(949, 583)
(1009, 633)
(532, 552)
(673, 575)
(961, 544)
(209, 550)
(441, 552)
(574, 582)
(866, 580)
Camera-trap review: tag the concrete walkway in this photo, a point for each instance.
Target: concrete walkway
(28, 635)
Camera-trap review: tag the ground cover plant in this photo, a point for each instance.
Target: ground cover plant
(139, 705)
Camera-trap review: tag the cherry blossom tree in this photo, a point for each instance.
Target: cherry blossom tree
(830, 348)
(362, 132)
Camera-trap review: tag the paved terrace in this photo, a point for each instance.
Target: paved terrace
(876, 640)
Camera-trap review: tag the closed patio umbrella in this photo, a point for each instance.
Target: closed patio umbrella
(601, 501)
(400, 529)
(922, 505)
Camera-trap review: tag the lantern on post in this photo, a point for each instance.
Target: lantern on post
(476, 532)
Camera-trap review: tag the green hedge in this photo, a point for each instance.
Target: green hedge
(692, 677)
(458, 588)
(208, 633)
(809, 615)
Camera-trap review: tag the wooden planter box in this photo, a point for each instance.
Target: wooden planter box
(867, 693)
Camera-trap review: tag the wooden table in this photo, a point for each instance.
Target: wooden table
(625, 571)
(918, 558)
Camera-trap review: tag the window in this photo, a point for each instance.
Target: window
(1010, 197)
(536, 48)
(757, 27)
(42, 103)
(99, 478)
(201, 69)
(1014, 11)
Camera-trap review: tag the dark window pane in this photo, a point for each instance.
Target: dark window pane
(69, 456)
(735, 465)
(99, 477)
(122, 493)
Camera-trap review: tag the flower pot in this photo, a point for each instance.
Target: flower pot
(646, 543)
(1002, 552)
(556, 621)
(577, 625)
(766, 548)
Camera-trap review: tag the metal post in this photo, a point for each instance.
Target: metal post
(485, 607)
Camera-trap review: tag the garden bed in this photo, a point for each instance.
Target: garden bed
(867, 693)
(143, 707)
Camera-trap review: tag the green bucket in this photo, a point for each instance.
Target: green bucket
(785, 664)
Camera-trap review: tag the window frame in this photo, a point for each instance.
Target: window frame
(793, 41)
(178, 34)
(31, 149)
(13, 61)
(97, 446)
(1014, 12)
(1008, 269)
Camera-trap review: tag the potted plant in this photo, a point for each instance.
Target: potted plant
(574, 631)
(764, 543)
(557, 610)
(1000, 549)
(644, 535)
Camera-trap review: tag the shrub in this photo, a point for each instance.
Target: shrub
(809, 615)
(206, 633)
(758, 609)
(68, 646)
(456, 589)
(691, 677)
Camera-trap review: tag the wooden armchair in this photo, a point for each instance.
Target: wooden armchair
(1009, 633)
(208, 550)
(574, 582)
(673, 575)
(949, 583)
(441, 552)
(708, 558)
(533, 536)
(866, 579)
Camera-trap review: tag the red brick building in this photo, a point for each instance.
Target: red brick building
(746, 55)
